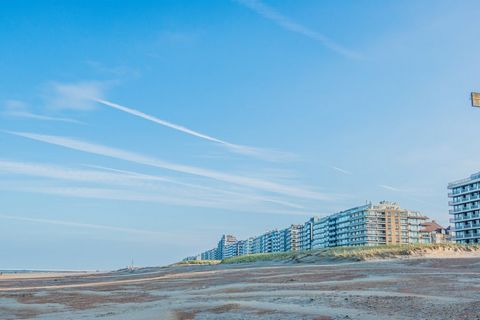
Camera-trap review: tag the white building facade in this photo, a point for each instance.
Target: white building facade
(367, 225)
(465, 209)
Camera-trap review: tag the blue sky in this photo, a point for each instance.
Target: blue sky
(146, 129)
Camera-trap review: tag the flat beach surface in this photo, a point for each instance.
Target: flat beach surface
(417, 288)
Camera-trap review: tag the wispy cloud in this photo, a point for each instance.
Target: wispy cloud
(207, 188)
(72, 174)
(85, 95)
(19, 109)
(170, 197)
(387, 187)
(166, 237)
(340, 170)
(113, 194)
(74, 96)
(245, 150)
(291, 25)
(197, 171)
(111, 176)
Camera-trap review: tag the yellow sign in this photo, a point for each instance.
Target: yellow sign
(476, 99)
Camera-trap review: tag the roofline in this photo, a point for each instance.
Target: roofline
(473, 177)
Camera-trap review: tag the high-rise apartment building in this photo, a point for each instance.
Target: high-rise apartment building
(306, 234)
(226, 246)
(209, 254)
(267, 242)
(244, 247)
(290, 238)
(367, 225)
(465, 208)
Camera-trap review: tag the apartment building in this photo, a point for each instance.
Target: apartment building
(244, 247)
(367, 225)
(306, 234)
(290, 238)
(267, 242)
(230, 250)
(257, 244)
(209, 254)
(192, 258)
(226, 247)
(432, 232)
(465, 208)
(320, 233)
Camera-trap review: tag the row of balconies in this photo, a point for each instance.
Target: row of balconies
(468, 216)
(465, 208)
(465, 190)
(468, 225)
(463, 200)
(467, 236)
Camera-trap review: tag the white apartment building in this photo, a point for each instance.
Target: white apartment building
(465, 208)
(290, 238)
(367, 225)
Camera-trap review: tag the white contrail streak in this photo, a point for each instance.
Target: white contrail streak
(85, 225)
(196, 200)
(238, 194)
(29, 115)
(119, 177)
(387, 187)
(145, 160)
(288, 24)
(116, 194)
(340, 170)
(245, 150)
(162, 122)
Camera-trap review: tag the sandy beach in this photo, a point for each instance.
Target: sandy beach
(416, 288)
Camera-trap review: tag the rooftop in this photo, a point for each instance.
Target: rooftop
(430, 226)
(475, 176)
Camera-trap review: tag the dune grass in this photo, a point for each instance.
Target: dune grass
(354, 253)
(395, 250)
(197, 262)
(257, 257)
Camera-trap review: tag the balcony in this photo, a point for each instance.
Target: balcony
(469, 236)
(468, 199)
(467, 190)
(468, 225)
(468, 208)
(469, 216)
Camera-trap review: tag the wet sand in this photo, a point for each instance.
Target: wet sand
(420, 288)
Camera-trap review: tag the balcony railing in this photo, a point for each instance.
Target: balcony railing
(467, 190)
(453, 203)
(468, 208)
(468, 236)
(469, 216)
(467, 226)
